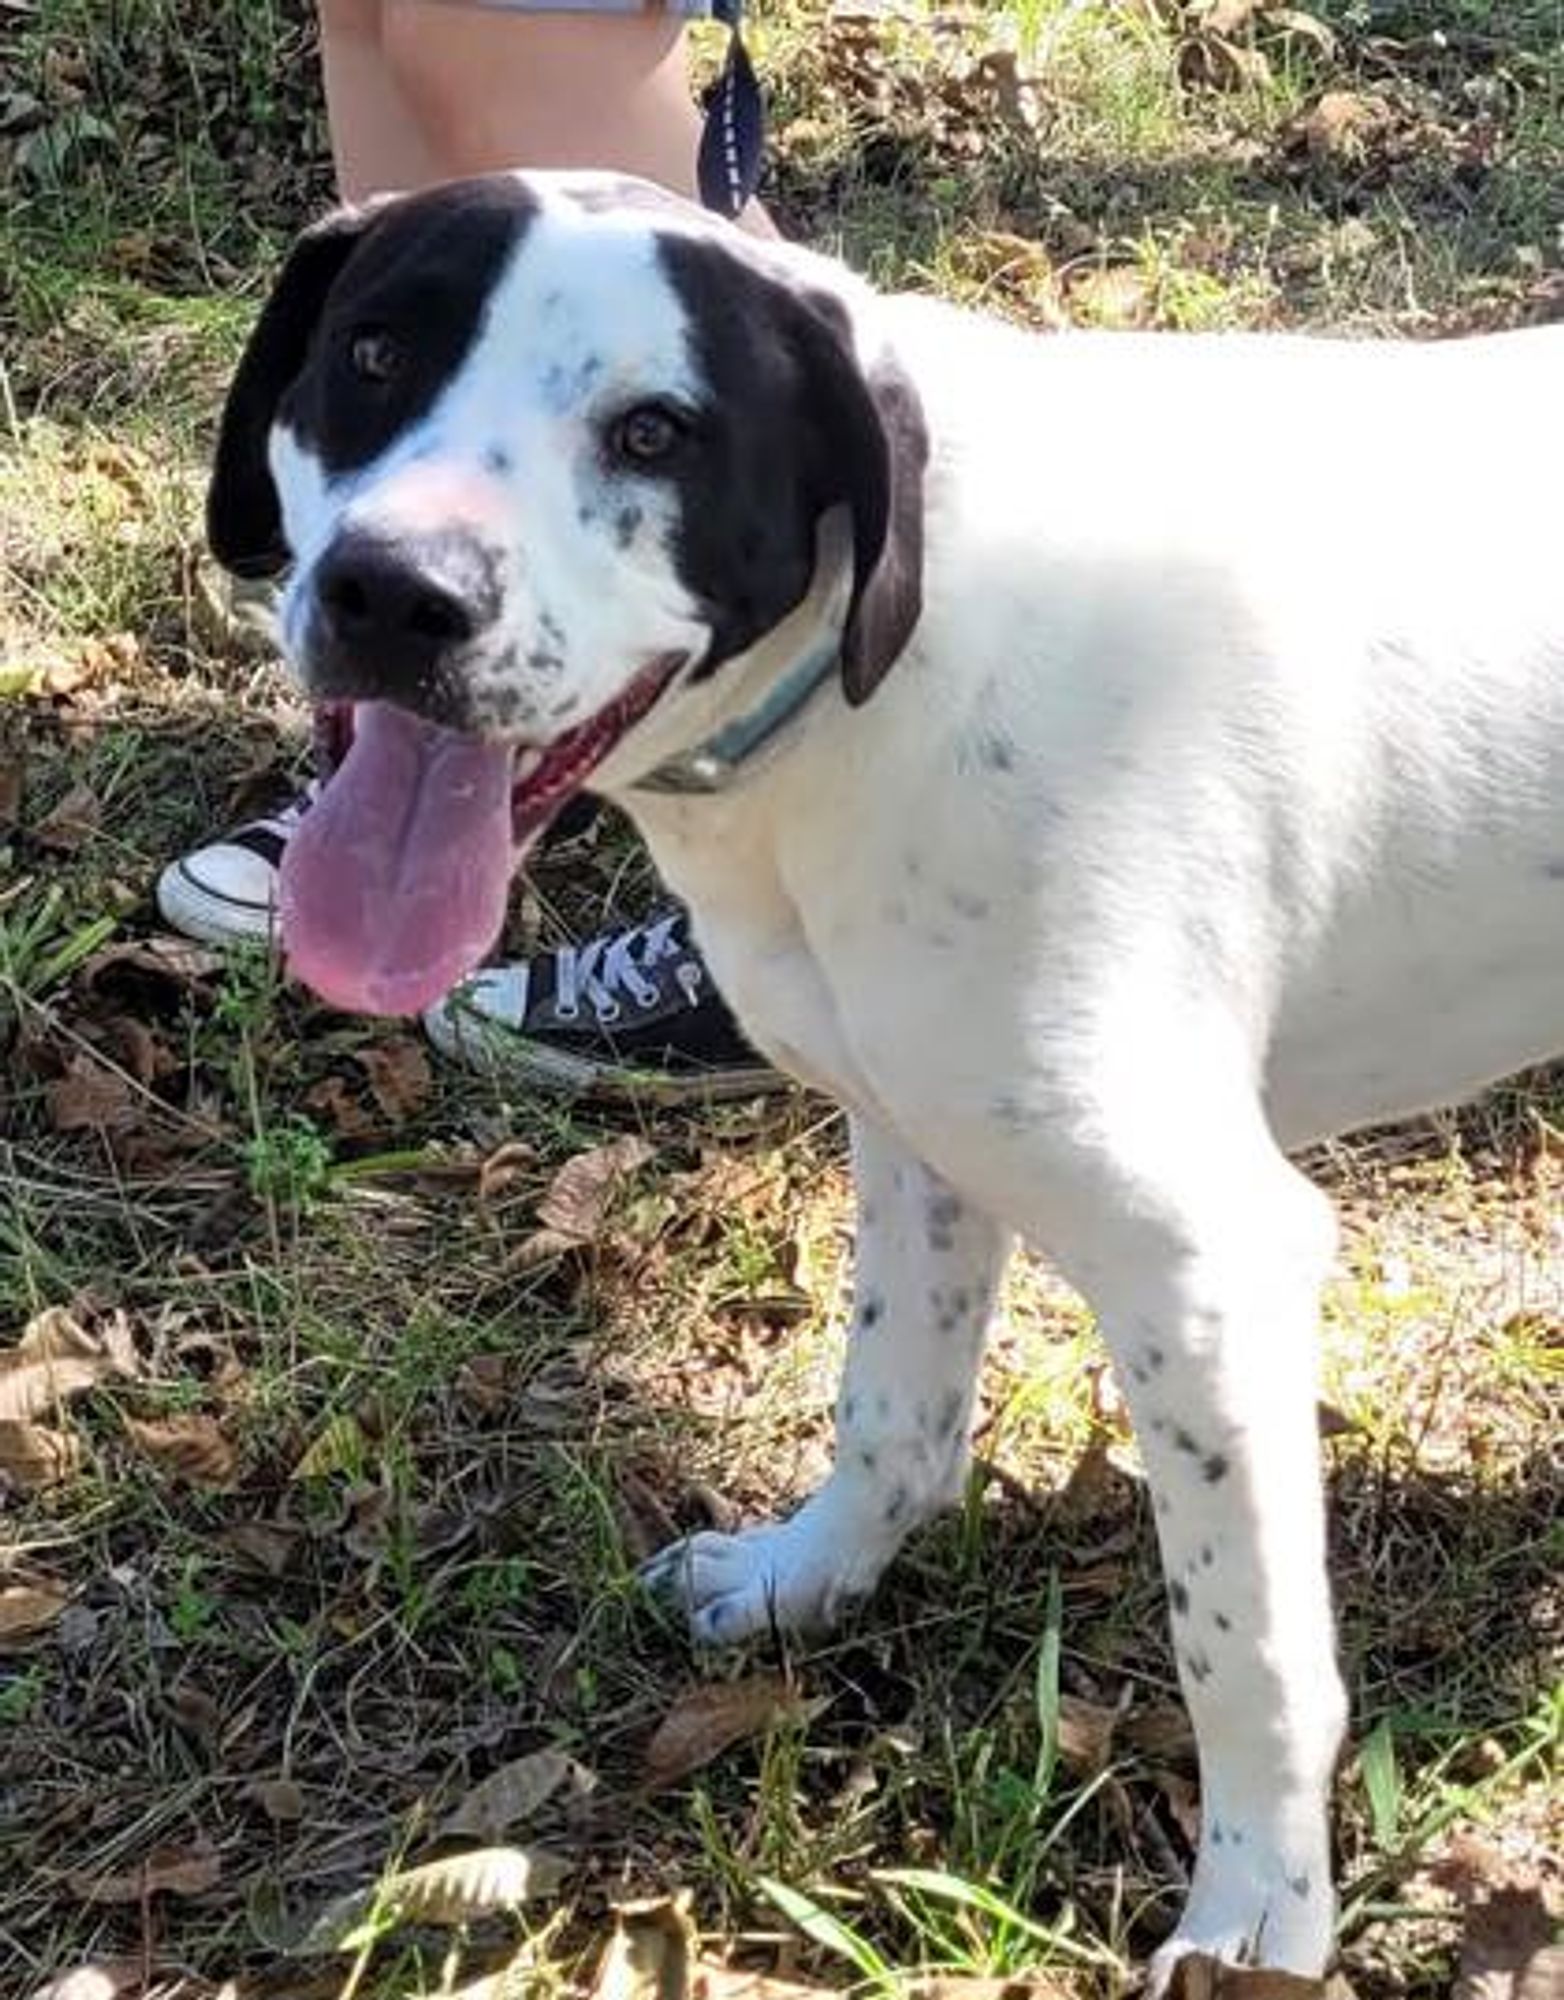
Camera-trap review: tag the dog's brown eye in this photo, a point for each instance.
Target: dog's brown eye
(374, 354)
(647, 433)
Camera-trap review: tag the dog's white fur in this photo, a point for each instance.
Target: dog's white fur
(1216, 805)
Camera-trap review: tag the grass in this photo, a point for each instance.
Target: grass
(354, 1522)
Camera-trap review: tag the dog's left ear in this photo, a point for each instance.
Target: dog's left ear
(243, 518)
(876, 447)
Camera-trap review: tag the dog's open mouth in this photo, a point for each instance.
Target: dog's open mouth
(394, 885)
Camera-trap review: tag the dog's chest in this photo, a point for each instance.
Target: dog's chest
(866, 947)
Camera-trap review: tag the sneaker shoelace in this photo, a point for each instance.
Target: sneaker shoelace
(286, 818)
(610, 969)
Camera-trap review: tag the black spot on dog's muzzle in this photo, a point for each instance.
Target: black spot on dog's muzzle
(393, 614)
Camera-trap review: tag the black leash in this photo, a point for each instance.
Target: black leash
(733, 139)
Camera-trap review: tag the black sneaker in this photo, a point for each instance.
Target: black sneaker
(629, 1013)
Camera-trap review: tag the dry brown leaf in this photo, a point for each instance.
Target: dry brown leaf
(55, 1358)
(175, 961)
(32, 1456)
(269, 1545)
(57, 1334)
(90, 1096)
(730, 1982)
(10, 792)
(331, 1102)
(280, 1799)
(483, 1384)
(1341, 125)
(1228, 17)
(72, 823)
(26, 1609)
(169, 1871)
(192, 1447)
(506, 1164)
(1162, 1729)
(650, 1955)
(1197, 1977)
(399, 1077)
(510, 1796)
(1507, 1950)
(481, 1883)
(1031, 1986)
(1183, 1799)
(1086, 1731)
(578, 1196)
(706, 1720)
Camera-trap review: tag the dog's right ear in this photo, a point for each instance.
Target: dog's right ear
(243, 518)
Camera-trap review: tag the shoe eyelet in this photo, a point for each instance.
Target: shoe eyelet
(608, 1013)
(571, 1013)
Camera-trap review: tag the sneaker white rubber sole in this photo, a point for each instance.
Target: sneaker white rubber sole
(194, 909)
(478, 1026)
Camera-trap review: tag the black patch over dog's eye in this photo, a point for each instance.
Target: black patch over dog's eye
(647, 434)
(374, 354)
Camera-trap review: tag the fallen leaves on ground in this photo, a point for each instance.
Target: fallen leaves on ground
(1343, 125)
(71, 823)
(1507, 1937)
(515, 1793)
(706, 1720)
(1197, 1977)
(1085, 1734)
(169, 1871)
(577, 1198)
(463, 1887)
(399, 1077)
(27, 1609)
(33, 1456)
(192, 1447)
(280, 1799)
(56, 1357)
(652, 1955)
(973, 1986)
(89, 1096)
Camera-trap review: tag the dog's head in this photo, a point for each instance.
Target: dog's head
(544, 454)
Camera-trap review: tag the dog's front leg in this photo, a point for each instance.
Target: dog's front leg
(928, 1267)
(1206, 1276)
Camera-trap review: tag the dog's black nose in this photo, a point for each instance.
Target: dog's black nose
(391, 610)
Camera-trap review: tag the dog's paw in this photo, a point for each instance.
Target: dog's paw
(784, 1574)
(1261, 1913)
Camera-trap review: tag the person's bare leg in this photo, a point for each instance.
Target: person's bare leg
(376, 140)
(422, 90)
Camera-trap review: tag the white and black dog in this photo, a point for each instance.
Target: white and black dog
(1103, 763)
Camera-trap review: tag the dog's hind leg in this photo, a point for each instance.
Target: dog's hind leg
(1203, 1252)
(928, 1268)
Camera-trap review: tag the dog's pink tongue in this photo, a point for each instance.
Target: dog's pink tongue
(394, 882)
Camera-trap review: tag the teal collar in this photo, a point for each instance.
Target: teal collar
(713, 765)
